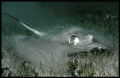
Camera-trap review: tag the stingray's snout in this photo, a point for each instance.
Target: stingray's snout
(99, 50)
(94, 51)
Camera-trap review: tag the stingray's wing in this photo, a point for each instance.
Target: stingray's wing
(27, 26)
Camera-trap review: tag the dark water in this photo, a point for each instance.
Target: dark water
(49, 15)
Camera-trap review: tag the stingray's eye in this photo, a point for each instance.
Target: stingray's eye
(73, 39)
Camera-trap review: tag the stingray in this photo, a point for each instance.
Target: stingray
(54, 49)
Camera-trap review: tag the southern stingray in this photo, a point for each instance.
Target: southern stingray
(54, 49)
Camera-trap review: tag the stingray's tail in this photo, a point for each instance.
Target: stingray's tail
(27, 26)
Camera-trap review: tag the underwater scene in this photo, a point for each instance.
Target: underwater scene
(60, 39)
